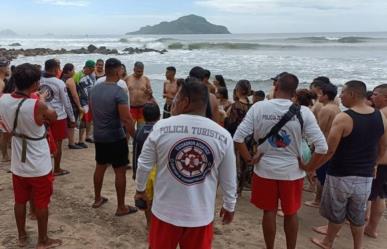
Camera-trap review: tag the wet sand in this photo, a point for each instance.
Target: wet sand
(79, 226)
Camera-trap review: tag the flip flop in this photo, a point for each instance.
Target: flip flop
(312, 204)
(318, 243)
(100, 203)
(62, 173)
(131, 210)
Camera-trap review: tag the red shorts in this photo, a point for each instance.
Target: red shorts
(37, 189)
(266, 193)
(87, 117)
(59, 129)
(137, 113)
(163, 235)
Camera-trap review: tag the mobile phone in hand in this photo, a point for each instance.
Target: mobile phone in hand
(141, 204)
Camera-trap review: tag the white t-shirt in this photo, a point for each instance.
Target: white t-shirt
(192, 154)
(38, 159)
(57, 97)
(280, 159)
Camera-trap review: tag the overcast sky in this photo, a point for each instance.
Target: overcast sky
(240, 16)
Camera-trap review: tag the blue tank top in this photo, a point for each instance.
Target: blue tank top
(357, 153)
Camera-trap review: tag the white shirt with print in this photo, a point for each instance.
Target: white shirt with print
(280, 159)
(193, 154)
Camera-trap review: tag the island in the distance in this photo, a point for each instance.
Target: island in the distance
(191, 24)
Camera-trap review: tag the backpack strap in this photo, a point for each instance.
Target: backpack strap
(294, 109)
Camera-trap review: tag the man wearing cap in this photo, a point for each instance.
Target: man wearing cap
(4, 138)
(274, 79)
(85, 80)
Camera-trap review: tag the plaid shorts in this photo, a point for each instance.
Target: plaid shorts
(345, 198)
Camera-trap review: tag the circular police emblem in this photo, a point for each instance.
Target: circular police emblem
(190, 161)
(48, 90)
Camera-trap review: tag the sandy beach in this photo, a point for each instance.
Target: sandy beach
(79, 226)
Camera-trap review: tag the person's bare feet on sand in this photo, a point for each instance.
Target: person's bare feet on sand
(49, 243)
(22, 241)
(322, 230)
(100, 202)
(321, 243)
(370, 233)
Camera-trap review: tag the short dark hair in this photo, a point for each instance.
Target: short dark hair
(304, 97)
(221, 80)
(207, 74)
(139, 64)
(50, 65)
(100, 60)
(320, 82)
(197, 72)
(223, 92)
(111, 65)
(381, 87)
(173, 69)
(245, 86)
(67, 68)
(151, 112)
(259, 93)
(358, 87)
(288, 83)
(26, 75)
(330, 90)
(196, 91)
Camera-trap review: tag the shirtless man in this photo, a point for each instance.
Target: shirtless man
(4, 137)
(213, 108)
(379, 185)
(170, 90)
(325, 117)
(140, 90)
(315, 87)
(210, 86)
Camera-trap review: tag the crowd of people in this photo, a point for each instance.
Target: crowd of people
(200, 140)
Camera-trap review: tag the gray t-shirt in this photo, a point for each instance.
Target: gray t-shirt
(105, 98)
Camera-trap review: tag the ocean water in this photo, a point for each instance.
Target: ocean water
(256, 57)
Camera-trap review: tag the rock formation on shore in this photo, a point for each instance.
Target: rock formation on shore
(91, 49)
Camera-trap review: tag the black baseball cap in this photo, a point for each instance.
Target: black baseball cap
(279, 76)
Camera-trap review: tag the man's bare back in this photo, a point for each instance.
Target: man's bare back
(140, 90)
(325, 117)
(170, 90)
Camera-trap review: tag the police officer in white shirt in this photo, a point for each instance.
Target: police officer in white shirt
(192, 154)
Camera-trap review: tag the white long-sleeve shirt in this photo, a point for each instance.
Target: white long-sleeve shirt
(192, 154)
(280, 159)
(57, 97)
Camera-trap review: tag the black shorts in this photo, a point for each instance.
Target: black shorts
(379, 185)
(115, 153)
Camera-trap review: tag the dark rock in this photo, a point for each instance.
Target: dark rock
(91, 48)
(16, 44)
